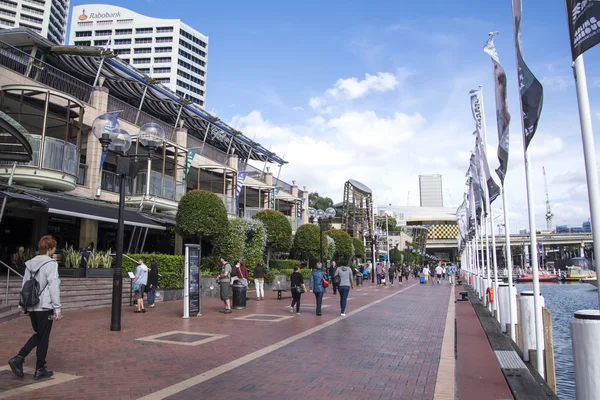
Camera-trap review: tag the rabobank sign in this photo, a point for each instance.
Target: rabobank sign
(98, 15)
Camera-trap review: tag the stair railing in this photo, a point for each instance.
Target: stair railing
(8, 280)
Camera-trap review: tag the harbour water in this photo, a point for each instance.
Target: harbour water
(563, 300)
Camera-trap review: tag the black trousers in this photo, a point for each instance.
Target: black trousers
(40, 339)
(296, 299)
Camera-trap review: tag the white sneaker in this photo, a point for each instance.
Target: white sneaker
(291, 309)
(343, 314)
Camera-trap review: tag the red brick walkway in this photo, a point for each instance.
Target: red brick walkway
(388, 350)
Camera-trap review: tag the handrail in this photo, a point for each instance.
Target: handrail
(11, 269)
(8, 281)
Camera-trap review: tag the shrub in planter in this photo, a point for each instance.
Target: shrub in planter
(359, 248)
(279, 231)
(71, 257)
(245, 241)
(307, 242)
(284, 264)
(344, 249)
(169, 267)
(202, 213)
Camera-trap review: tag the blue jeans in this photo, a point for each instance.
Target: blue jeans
(344, 290)
(391, 279)
(379, 279)
(319, 298)
(151, 295)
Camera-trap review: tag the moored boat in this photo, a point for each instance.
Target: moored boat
(544, 276)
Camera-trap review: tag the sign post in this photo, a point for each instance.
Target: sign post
(191, 281)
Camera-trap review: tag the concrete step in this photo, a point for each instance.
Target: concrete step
(9, 313)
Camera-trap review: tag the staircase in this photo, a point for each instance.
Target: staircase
(74, 293)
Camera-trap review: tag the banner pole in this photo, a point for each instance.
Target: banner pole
(509, 266)
(589, 151)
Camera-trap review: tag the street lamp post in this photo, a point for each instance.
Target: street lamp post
(324, 219)
(107, 130)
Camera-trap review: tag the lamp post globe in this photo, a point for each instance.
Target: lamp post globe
(320, 214)
(312, 213)
(151, 136)
(106, 128)
(330, 212)
(121, 143)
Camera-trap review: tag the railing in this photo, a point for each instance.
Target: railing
(283, 185)
(111, 181)
(165, 187)
(129, 113)
(9, 269)
(229, 203)
(254, 172)
(18, 61)
(81, 174)
(58, 155)
(208, 151)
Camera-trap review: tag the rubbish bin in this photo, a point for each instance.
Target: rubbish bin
(239, 296)
(359, 280)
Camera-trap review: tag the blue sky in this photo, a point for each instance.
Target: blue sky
(295, 75)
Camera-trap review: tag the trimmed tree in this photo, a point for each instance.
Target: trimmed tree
(306, 241)
(359, 248)
(279, 231)
(245, 240)
(395, 256)
(202, 214)
(344, 249)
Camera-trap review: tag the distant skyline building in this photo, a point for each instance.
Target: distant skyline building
(167, 50)
(430, 191)
(46, 17)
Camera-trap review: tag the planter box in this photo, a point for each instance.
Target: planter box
(71, 272)
(170, 294)
(99, 272)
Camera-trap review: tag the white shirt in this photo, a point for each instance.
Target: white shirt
(438, 270)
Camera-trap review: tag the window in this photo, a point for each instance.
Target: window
(8, 13)
(83, 34)
(83, 43)
(39, 2)
(106, 32)
(122, 41)
(144, 70)
(108, 22)
(164, 29)
(166, 39)
(31, 10)
(143, 50)
(192, 48)
(163, 49)
(31, 19)
(189, 87)
(194, 39)
(103, 42)
(190, 77)
(6, 22)
(87, 23)
(143, 40)
(190, 67)
(121, 51)
(141, 61)
(191, 57)
(123, 31)
(125, 21)
(164, 70)
(139, 31)
(8, 4)
(163, 80)
(161, 60)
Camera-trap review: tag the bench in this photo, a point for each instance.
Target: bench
(279, 292)
(465, 296)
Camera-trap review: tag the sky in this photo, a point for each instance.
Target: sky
(378, 91)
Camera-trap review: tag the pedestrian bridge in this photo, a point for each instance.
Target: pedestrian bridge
(547, 239)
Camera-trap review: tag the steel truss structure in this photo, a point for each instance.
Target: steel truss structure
(358, 209)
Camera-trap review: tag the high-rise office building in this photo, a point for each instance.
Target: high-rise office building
(46, 17)
(430, 190)
(167, 50)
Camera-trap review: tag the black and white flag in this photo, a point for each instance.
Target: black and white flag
(531, 90)
(584, 25)
(502, 114)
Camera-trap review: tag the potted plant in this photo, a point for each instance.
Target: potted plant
(96, 261)
(72, 260)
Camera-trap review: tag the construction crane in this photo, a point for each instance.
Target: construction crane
(549, 214)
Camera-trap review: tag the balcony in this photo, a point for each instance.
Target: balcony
(111, 182)
(54, 166)
(130, 113)
(164, 192)
(229, 203)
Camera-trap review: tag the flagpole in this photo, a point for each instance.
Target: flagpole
(589, 151)
(487, 244)
(511, 298)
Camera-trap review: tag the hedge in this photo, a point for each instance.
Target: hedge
(278, 228)
(169, 267)
(202, 213)
(306, 241)
(283, 264)
(344, 249)
(359, 248)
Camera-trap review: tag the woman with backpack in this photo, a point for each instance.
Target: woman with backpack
(318, 285)
(297, 287)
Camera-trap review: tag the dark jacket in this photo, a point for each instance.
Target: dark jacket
(296, 279)
(259, 272)
(153, 274)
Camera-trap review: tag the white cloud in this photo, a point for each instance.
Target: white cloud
(298, 109)
(557, 82)
(353, 88)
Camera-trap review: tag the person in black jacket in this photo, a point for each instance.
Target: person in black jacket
(259, 281)
(152, 283)
(298, 287)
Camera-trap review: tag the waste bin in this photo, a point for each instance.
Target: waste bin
(239, 296)
(359, 280)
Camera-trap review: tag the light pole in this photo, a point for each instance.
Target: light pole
(324, 219)
(107, 130)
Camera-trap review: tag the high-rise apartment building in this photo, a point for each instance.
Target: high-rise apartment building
(430, 190)
(46, 17)
(167, 50)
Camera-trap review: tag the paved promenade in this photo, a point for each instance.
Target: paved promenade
(387, 347)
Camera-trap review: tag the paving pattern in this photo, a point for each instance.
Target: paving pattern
(388, 350)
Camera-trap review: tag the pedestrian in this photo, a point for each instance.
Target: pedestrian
(450, 271)
(392, 273)
(243, 274)
(444, 271)
(316, 286)
(259, 280)
(139, 284)
(224, 280)
(152, 283)
(406, 272)
(379, 273)
(297, 287)
(343, 275)
(426, 273)
(18, 259)
(332, 270)
(44, 270)
(438, 271)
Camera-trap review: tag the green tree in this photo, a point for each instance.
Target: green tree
(306, 242)
(279, 231)
(359, 248)
(344, 248)
(395, 256)
(391, 223)
(245, 241)
(318, 202)
(201, 213)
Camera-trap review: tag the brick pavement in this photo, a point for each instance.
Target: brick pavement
(388, 350)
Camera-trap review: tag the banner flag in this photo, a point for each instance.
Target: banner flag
(476, 108)
(502, 114)
(584, 25)
(532, 92)
(188, 162)
(102, 158)
(108, 127)
(240, 183)
(274, 193)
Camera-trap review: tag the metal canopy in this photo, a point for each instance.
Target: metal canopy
(15, 142)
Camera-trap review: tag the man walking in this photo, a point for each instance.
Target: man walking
(451, 271)
(224, 280)
(438, 272)
(379, 273)
(332, 271)
(44, 270)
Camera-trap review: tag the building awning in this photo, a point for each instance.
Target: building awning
(72, 206)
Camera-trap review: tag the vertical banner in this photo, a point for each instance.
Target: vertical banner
(102, 158)
(584, 25)
(188, 162)
(274, 193)
(502, 114)
(240, 183)
(532, 92)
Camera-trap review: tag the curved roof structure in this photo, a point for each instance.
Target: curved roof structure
(14, 140)
(360, 186)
